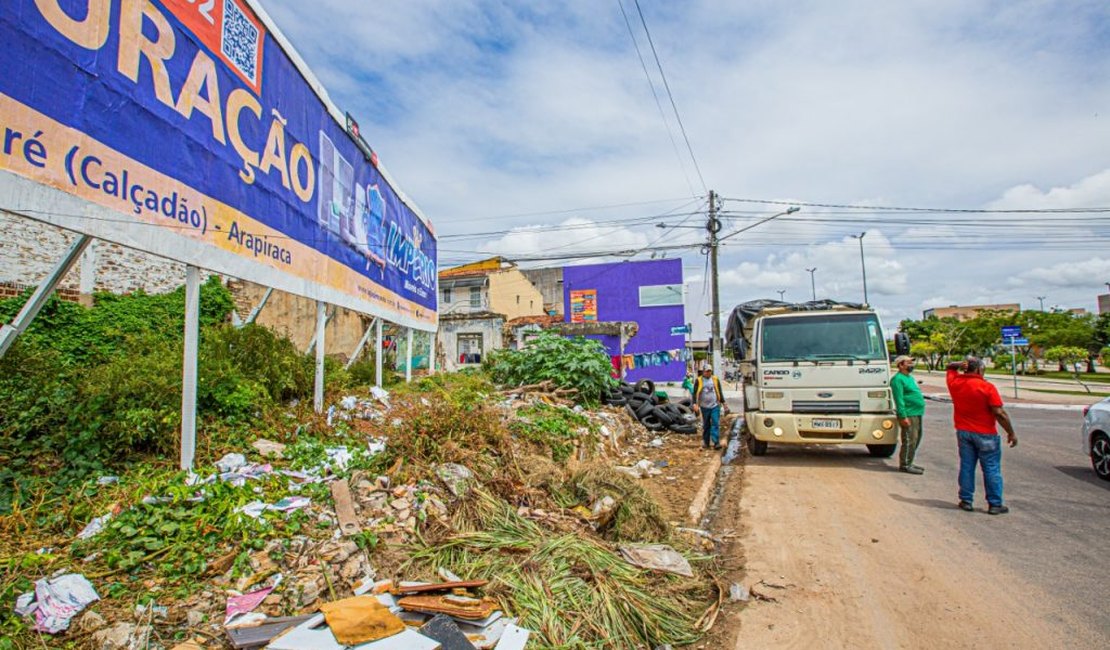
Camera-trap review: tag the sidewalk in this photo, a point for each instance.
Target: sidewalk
(934, 387)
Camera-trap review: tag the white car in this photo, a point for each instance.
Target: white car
(1096, 437)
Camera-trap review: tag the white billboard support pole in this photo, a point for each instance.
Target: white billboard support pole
(312, 343)
(361, 344)
(22, 321)
(408, 357)
(189, 367)
(321, 323)
(431, 353)
(378, 354)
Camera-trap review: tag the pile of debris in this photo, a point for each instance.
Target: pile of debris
(330, 534)
(656, 413)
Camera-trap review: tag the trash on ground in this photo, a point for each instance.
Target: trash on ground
(288, 504)
(443, 628)
(602, 511)
(739, 593)
(642, 469)
(107, 480)
(268, 448)
(514, 638)
(360, 619)
(425, 587)
(94, 526)
(656, 442)
(231, 462)
(55, 602)
(244, 604)
(470, 609)
(344, 510)
(312, 634)
(261, 634)
(657, 557)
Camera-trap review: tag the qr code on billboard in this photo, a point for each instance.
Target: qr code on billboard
(239, 40)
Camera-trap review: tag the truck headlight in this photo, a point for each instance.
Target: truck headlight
(888, 424)
(768, 422)
(777, 431)
(877, 434)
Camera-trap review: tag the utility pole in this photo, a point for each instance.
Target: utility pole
(782, 293)
(862, 265)
(1041, 299)
(713, 225)
(812, 282)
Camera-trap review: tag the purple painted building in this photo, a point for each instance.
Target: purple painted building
(649, 293)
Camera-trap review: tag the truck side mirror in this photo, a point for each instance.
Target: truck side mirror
(901, 343)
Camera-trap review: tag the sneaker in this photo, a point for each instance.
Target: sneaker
(965, 505)
(911, 469)
(997, 510)
(717, 446)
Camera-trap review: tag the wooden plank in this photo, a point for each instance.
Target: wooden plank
(344, 509)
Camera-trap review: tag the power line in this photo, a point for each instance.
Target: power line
(906, 209)
(658, 104)
(670, 96)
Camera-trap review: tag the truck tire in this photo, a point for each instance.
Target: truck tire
(685, 428)
(645, 386)
(756, 447)
(881, 451)
(664, 415)
(652, 423)
(644, 410)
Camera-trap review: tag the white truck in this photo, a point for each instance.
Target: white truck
(813, 372)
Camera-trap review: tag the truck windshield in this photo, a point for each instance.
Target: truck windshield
(826, 337)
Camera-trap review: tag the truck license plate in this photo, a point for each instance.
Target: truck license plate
(826, 423)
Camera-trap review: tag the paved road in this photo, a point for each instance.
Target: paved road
(1057, 534)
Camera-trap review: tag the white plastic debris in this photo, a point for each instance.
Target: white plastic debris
(657, 442)
(288, 504)
(642, 469)
(338, 457)
(94, 526)
(107, 480)
(331, 414)
(349, 402)
(458, 478)
(55, 602)
(657, 557)
(231, 462)
(375, 446)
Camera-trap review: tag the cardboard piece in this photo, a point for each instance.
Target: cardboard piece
(471, 609)
(360, 619)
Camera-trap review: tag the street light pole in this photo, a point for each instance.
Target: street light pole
(1041, 298)
(862, 264)
(781, 293)
(812, 282)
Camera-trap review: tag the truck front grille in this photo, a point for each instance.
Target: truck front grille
(824, 406)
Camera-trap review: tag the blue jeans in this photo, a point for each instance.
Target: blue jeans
(711, 425)
(986, 450)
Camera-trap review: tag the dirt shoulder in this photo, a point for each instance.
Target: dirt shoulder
(847, 567)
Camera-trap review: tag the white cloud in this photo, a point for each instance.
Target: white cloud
(1092, 191)
(1080, 273)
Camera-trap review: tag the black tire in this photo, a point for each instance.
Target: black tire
(686, 401)
(646, 386)
(663, 415)
(881, 451)
(757, 447)
(652, 423)
(685, 428)
(643, 397)
(616, 401)
(626, 388)
(644, 410)
(1100, 455)
(684, 410)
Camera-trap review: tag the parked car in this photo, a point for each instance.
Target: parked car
(1096, 437)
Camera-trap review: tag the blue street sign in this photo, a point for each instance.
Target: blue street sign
(680, 329)
(1011, 331)
(1015, 340)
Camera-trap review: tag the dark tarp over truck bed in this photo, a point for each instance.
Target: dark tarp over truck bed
(740, 320)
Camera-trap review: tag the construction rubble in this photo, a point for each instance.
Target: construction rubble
(412, 519)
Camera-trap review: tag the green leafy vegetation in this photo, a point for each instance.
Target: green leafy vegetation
(554, 428)
(577, 362)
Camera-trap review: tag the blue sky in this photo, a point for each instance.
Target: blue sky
(486, 110)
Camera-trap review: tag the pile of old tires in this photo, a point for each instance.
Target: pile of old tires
(655, 414)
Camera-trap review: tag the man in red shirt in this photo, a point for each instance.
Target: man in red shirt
(977, 408)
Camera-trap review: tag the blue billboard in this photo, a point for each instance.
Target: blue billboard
(191, 129)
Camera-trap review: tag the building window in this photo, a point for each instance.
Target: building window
(660, 295)
(470, 348)
(475, 298)
(447, 295)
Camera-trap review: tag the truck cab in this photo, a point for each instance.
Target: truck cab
(816, 374)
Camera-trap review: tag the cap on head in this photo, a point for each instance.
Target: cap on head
(899, 359)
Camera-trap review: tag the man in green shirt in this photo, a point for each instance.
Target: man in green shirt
(909, 404)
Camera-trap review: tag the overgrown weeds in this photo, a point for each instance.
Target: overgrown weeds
(577, 363)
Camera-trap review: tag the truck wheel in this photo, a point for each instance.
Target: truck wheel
(881, 451)
(756, 447)
(645, 386)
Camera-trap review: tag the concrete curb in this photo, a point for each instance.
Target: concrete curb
(701, 498)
